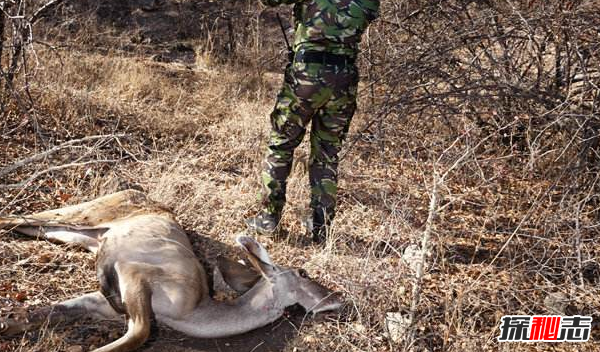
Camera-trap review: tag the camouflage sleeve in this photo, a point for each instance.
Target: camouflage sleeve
(279, 2)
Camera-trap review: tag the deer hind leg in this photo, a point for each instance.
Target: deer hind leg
(81, 223)
(83, 237)
(92, 305)
(137, 301)
(87, 214)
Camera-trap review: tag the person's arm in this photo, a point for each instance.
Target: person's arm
(279, 2)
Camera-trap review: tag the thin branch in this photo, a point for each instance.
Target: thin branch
(42, 11)
(425, 239)
(23, 162)
(51, 169)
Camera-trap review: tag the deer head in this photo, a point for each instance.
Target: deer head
(290, 285)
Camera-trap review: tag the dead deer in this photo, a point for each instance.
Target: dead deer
(146, 267)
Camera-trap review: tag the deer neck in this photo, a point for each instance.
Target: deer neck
(212, 319)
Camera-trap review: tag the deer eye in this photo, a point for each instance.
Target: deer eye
(303, 273)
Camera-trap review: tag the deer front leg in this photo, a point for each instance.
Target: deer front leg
(92, 305)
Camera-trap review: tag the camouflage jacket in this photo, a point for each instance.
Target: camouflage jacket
(334, 26)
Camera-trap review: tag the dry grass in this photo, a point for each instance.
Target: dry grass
(195, 137)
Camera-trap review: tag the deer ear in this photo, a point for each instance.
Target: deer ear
(239, 277)
(257, 254)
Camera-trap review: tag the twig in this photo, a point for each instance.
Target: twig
(53, 168)
(416, 291)
(578, 245)
(41, 12)
(11, 168)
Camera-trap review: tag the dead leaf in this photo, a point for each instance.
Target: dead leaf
(20, 296)
(45, 258)
(64, 196)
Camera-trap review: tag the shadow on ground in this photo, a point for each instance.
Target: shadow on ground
(270, 338)
(168, 31)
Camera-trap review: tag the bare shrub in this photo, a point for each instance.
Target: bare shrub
(514, 87)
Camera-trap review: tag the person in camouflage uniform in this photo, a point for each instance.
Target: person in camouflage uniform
(320, 87)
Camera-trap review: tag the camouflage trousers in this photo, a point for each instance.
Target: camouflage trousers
(324, 96)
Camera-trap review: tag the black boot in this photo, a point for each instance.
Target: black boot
(321, 224)
(264, 223)
(319, 234)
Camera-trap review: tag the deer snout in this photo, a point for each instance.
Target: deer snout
(332, 302)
